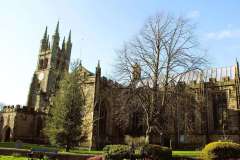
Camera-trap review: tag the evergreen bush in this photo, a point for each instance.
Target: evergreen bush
(221, 150)
(117, 152)
(156, 152)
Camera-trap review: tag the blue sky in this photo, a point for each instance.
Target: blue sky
(99, 28)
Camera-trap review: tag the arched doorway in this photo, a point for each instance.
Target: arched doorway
(7, 134)
(39, 126)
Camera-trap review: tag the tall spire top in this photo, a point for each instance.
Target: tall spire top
(57, 28)
(98, 69)
(80, 63)
(55, 38)
(98, 65)
(63, 43)
(237, 69)
(44, 41)
(45, 34)
(69, 36)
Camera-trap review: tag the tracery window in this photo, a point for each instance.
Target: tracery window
(45, 63)
(40, 64)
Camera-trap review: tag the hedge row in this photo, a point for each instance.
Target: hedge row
(212, 151)
(155, 152)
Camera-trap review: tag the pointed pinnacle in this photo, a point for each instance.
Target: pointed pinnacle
(45, 34)
(63, 43)
(69, 36)
(57, 28)
(98, 65)
(237, 64)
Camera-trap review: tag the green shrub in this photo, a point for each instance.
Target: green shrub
(221, 150)
(157, 152)
(117, 152)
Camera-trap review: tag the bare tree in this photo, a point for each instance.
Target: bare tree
(164, 50)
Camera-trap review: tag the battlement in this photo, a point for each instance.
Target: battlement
(213, 75)
(13, 108)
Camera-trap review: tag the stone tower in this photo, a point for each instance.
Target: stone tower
(136, 72)
(52, 62)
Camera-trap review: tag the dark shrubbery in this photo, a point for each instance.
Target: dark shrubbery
(222, 150)
(156, 152)
(117, 152)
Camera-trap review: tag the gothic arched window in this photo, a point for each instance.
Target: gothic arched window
(45, 63)
(7, 134)
(40, 64)
(39, 126)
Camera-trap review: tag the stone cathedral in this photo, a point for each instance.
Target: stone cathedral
(219, 117)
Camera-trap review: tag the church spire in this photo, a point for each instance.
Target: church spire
(69, 37)
(55, 39)
(57, 29)
(237, 69)
(48, 40)
(44, 41)
(63, 44)
(98, 69)
(98, 65)
(45, 34)
(69, 45)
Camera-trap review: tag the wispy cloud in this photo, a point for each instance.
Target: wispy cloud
(224, 34)
(193, 14)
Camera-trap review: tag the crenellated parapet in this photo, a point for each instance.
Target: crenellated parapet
(14, 108)
(223, 74)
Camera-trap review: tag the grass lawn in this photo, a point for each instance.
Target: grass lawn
(12, 158)
(25, 145)
(186, 153)
(61, 150)
(80, 151)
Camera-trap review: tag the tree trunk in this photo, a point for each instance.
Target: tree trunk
(67, 148)
(147, 139)
(147, 136)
